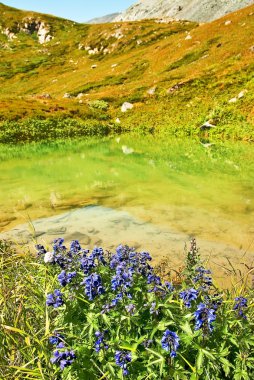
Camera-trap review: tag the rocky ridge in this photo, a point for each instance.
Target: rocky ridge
(193, 10)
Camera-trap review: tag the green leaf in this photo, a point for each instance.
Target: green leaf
(200, 359)
(187, 328)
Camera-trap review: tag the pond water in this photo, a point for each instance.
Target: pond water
(179, 185)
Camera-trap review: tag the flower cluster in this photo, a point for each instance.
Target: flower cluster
(202, 277)
(65, 278)
(170, 342)
(204, 317)
(57, 340)
(122, 359)
(93, 286)
(241, 303)
(188, 296)
(63, 358)
(126, 305)
(100, 342)
(55, 299)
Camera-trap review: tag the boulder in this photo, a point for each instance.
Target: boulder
(126, 106)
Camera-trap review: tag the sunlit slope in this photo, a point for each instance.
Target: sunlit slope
(193, 70)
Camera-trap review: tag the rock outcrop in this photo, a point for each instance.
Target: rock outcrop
(193, 10)
(30, 26)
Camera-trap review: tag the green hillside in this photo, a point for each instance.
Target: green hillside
(177, 74)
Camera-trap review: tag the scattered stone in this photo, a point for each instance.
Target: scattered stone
(207, 125)
(241, 94)
(80, 101)
(152, 90)
(46, 96)
(67, 96)
(114, 65)
(82, 238)
(93, 51)
(188, 37)
(176, 87)
(117, 120)
(139, 42)
(233, 100)
(93, 66)
(54, 80)
(228, 22)
(10, 35)
(126, 106)
(252, 49)
(127, 150)
(80, 95)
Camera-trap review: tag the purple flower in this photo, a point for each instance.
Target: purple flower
(100, 343)
(93, 286)
(63, 358)
(55, 299)
(189, 295)
(170, 342)
(87, 263)
(201, 277)
(57, 340)
(122, 359)
(75, 247)
(40, 249)
(130, 309)
(204, 317)
(65, 278)
(240, 304)
(99, 254)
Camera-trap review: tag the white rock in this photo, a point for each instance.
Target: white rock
(188, 37)
(118, 120)
(93, 66)
(126, 106)
(228, 22)
(241, 94)
(49, 257)
(43, 34)
(127, 150)
(67, 95)
(233, 100)
(206, 125)
(80, 95)
(114, 65)
(118, 140)
(151, 90)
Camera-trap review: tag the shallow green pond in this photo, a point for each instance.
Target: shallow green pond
(203, 191)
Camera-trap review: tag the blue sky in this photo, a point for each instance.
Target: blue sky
(77, 10)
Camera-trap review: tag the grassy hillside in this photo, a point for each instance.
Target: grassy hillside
(194, 71)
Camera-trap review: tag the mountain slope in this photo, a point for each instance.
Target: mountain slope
(177, 74)
(194, 10)
(103, 19)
